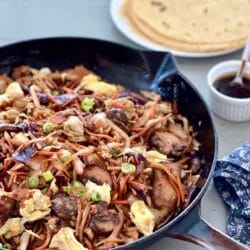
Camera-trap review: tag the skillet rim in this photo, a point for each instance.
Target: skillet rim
(141, 52)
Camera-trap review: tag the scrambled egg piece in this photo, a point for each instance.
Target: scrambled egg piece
(142, 217)
(155, 157)
(110, 149)
(19, 139)
(36, 207)
(73, 128)
(3, 99)
(104, 190)
(14, 91)
(65, 240)
(11, 115)
(12, 227)
(133, 150)
(92, 82)
(91, 78)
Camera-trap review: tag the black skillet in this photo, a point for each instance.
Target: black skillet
(137, 70)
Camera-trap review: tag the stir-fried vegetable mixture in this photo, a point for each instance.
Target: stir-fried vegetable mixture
(85, 164)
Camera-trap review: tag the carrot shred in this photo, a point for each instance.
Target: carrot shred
(122, 202)
(183, 160)
(153, 110)
(109, 138)
(117, 104)
(115, 95)
(84, 151)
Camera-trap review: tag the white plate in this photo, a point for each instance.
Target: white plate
(121, 24)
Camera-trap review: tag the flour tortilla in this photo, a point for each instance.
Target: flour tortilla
(201, 41)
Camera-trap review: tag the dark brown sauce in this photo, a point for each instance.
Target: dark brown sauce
(223, 85)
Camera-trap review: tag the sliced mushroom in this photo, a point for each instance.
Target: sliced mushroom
(10, 127)
(168, 143)
(98, 175)
(118, 117)
(65, 207)
(104, 220)
(178, 131)
(7, 205)
(94, 159)
(163, 194)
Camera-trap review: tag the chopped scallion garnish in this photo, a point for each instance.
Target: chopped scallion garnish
(95, 196)
(55, 92)
(48, 127)
(33, 181)
(128, 168)
(78, 184)
(48, 176)
(87, 104)
(64, 155)
(67, 189)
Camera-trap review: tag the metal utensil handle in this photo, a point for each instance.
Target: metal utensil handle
(204, 234)
(245, 57)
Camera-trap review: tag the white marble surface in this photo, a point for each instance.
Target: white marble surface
(26, 19)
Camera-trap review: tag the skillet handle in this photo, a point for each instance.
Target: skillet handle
(160, 64)
(203, 234)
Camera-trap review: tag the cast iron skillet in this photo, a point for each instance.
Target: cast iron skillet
(136, 70)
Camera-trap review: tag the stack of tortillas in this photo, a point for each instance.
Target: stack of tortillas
(190, 25)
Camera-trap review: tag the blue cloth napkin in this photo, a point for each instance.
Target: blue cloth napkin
(232, 180)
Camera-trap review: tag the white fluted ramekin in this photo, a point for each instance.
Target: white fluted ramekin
(229, 108)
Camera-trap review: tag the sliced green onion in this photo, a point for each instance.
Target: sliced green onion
(78, 184)
(33, 181)
(44, 190)
(113, 152)
(6, 246)
(95, 196)
(128, 168)
(81, 191)
(55, 92)
(48, 127)
(64, 155)
(87, 104)
(52, 227)
(48, 176)
(67, 189)
(79, 187)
